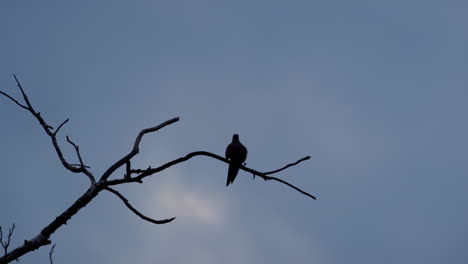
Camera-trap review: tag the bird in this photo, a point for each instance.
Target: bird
(236, 153)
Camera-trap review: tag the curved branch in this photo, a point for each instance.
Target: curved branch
(287, 166)
(151, 171)
(135, 211)
(136, 148)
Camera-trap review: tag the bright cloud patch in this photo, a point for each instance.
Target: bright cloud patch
(183, 202)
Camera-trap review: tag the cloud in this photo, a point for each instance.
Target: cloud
(181, 201)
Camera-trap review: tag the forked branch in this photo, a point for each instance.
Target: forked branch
(48, 129)
(136, 148)
(43, 238)
(82, 167)
(6, 242)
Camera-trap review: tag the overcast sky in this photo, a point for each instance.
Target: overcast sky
(375, 91)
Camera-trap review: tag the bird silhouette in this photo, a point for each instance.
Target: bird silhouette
(236, 153)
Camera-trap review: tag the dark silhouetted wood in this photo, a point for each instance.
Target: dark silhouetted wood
(104, 183)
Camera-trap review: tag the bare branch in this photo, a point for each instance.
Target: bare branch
(82, 166)
(26, 99)
(51, 252)
(79, 165)
(135, 149)
(138, 170)
(77, 149)
(165, 221)
(287, 166)
(67, 165)
(151, 171)
(14, 100)
(42, 238)
(6, 243)
(267, 178)
(37, 115)
(47, 129)
(58, 128)
(128, 169)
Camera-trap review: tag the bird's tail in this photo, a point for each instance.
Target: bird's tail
(232, 173)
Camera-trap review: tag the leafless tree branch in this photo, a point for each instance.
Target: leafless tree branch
(79, 165)
(47, 129)
(128, 169)
(135, 211)
(150, 171)
(31, 109)
(136, 148)
(51, 252)
(43, 238)
(59, 127)
(6, 243)
(287, 166)
(82, 166)
(25, 97)
(14, 100)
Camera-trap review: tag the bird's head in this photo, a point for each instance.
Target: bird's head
(235, 137)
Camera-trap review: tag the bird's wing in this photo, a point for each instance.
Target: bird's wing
(229, 151)
(242, 153)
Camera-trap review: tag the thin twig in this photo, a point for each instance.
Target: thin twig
(151, 171)
(77, 149)
(26, 99)
(135, 211)
(82, 166)
(287, 166)
(6, 243)
(58, 128)
(31, 108)
(79, 165)
(51, 252)
(14, 100)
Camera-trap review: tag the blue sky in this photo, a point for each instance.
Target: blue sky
(374, 91)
